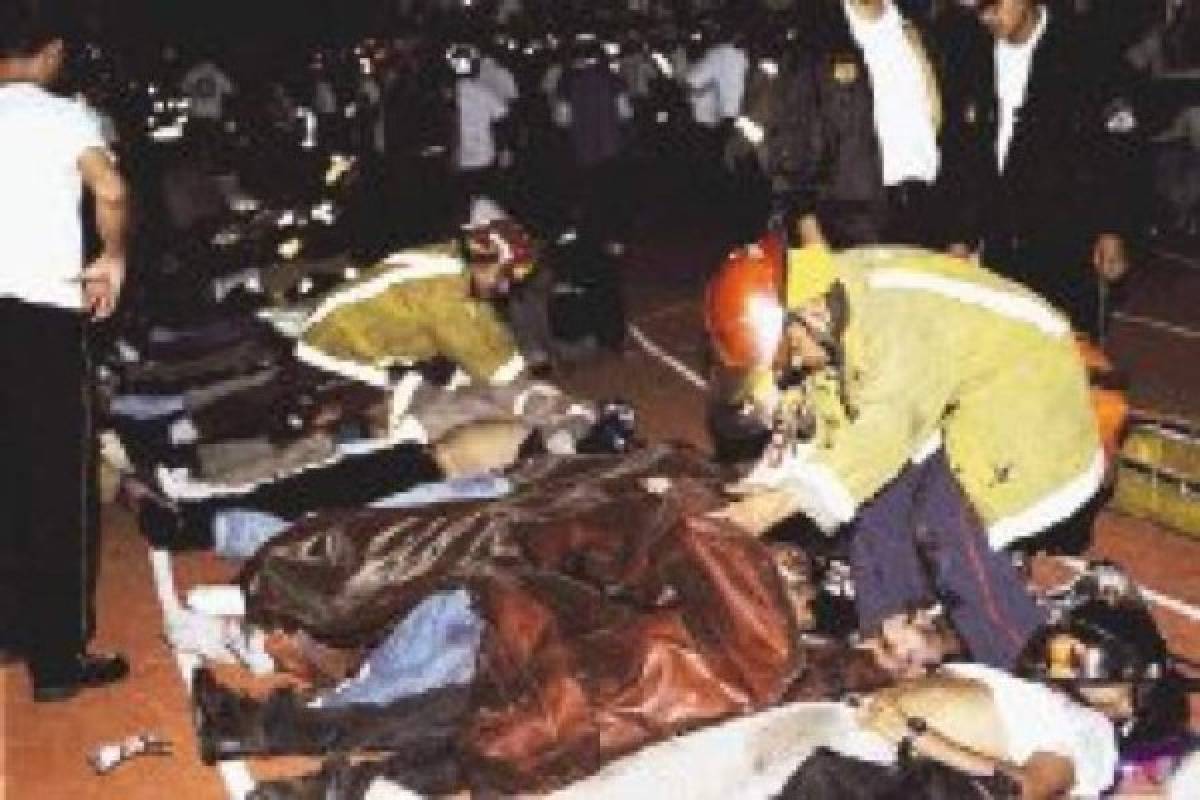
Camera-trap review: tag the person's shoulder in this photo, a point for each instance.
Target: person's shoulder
(50, 106)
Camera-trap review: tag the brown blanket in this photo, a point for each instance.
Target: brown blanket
(618, 613)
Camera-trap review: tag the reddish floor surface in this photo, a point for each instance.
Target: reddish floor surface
(44, 747)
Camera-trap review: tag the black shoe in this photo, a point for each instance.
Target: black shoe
(85, 671)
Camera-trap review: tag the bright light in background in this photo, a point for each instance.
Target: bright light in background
(663, 64)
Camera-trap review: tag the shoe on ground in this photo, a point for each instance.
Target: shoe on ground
(57, 682)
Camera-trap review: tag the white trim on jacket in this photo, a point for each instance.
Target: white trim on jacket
(1010, 304)
(1051, 509)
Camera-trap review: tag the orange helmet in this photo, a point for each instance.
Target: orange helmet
(743, 306)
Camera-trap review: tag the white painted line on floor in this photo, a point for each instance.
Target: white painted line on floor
(1187, 262)
(1078, 565)
(1181, 608)
(667, 311)
(683, 370)
(238, 780)
(1157, 324)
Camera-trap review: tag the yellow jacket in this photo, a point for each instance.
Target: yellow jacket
(939, 351)
(412, 307)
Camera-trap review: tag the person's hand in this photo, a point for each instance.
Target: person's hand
(810, 231)
(960, 250)
(1109, 257)
(102, 282)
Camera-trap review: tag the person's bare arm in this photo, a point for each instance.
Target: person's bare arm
(1043, 776)
(105, 275)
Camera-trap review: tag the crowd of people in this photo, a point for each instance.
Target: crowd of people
(945, 192)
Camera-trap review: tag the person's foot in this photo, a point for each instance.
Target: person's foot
(84, 671)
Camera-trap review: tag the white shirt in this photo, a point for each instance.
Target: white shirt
(900, 93)
(42, 137)
(478, 109)
(498, 78)
(1013, 62)
(1037, 718)
(717, 82)
(206, 87)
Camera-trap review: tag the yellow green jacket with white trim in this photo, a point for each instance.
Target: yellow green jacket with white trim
(415, 305)
(940, 351)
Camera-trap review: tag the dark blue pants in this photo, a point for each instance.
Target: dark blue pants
(918, 542)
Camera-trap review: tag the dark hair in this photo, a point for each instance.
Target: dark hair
(26, 26)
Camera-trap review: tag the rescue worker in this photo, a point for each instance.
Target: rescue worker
(425, 303)
(951, 418)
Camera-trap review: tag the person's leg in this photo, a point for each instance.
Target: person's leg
(50, 401)
(982, 592)
(14, 510)
(889, 577)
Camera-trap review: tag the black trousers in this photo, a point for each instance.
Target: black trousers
(48, 528)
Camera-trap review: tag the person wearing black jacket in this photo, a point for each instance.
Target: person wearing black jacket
(1040, 145)
(853, 150)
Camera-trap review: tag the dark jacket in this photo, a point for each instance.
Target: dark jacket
(1067, 176)
(593, 95)
(824, 153)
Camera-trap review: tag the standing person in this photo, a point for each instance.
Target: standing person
(716, 83)
(1049, 139)
(951, 418)
(50, 147)
(594, 108)
(856, 157)
(479, 113)
(207, 88)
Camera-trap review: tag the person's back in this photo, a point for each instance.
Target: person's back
(594, 96)
(959, 351)
(718, 81)
(207, 87)
(41, 137)
(479, 108)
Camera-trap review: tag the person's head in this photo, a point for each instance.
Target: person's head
(1009, 20)
(464, 60)
(1112, 658)
(498, 251)
(32, 40)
